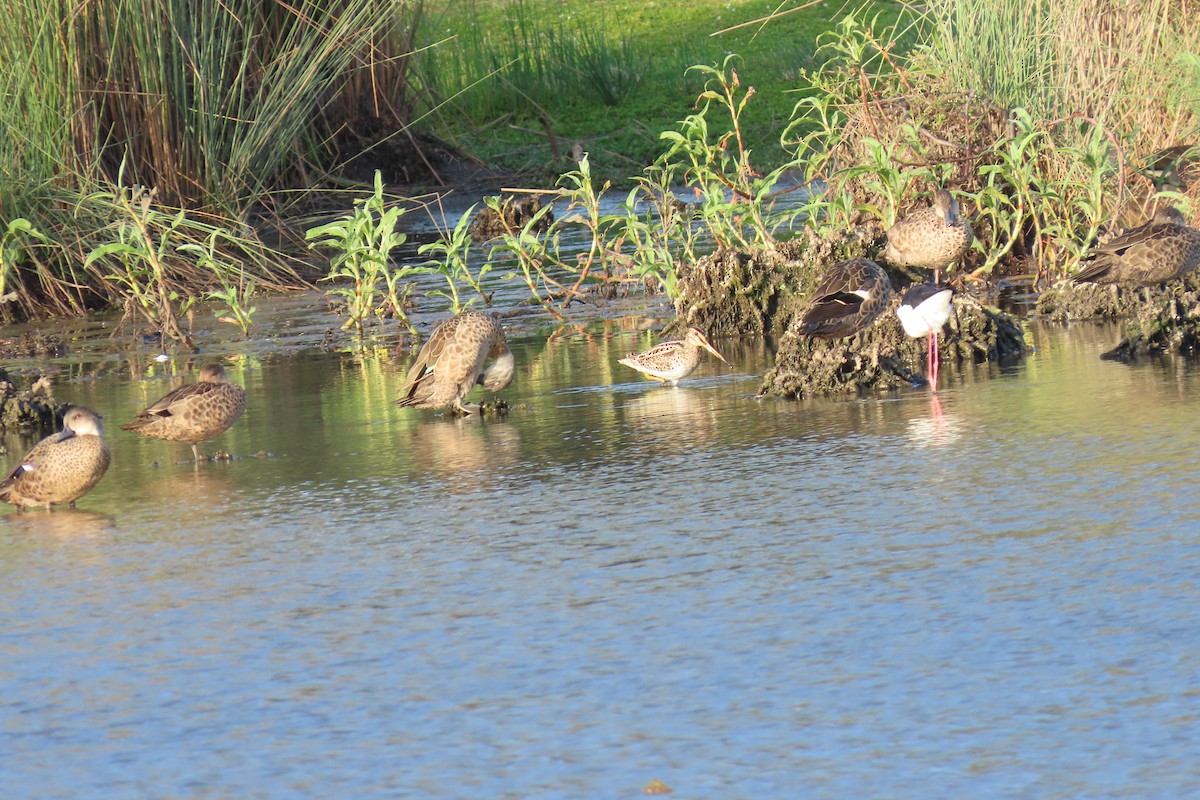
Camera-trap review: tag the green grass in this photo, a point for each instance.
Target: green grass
(655, 42)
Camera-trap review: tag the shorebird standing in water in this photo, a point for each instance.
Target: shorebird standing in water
(930, 238)
(849, 297)
(195, 412)
(61, 468)
(671, 361)
(450, 364)
(924, 310)
(1161, 250)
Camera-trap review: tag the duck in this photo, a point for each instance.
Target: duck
(923, 311)
(195, 412)
(850, 296)
(930, 238)
(672, 361)
(61, 468)
(450, 364)
(1163, 249)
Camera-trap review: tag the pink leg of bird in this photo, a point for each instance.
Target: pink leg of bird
(933, 360)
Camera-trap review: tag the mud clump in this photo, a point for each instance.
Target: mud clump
(1168, 326)
(33, 409)
(1156, 319)
(1068, 302)
(32, 345)
(512, 215)
(730, 293)
(883, 357)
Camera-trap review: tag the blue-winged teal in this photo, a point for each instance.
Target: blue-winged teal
(930, 238)
(924, 310)
(1161, 250)
(62, 467)
(849, 297)
(195, 412)
(451, 363)
(671, 361)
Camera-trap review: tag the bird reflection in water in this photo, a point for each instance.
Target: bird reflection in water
(462, 445)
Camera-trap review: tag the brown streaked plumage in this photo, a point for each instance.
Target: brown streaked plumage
(1163, 249)
(930, 238)
(849, 298)
(61, 468)
(451, 363)
(195, 412)
(671, 361)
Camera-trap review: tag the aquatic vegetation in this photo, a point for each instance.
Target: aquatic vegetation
(234, 295)
(362, 243)
(214, 105)
(13, 251)
(139, 243)
(534, 254)
(235, 299)
(454, 247)
(732, 196)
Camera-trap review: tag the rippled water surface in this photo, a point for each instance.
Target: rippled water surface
(993, 594)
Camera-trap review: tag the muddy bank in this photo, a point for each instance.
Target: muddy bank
(29, 410)
(1154, 319)
(884, 357)
(763, 293)
(732, 293)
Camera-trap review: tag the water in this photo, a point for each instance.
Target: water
(990, 595)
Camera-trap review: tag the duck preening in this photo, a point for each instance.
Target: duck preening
(450, 364)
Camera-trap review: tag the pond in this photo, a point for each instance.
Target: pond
(989, 593)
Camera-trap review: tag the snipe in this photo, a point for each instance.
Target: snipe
(671, 361)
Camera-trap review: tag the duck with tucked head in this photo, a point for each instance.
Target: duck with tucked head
(930, 238)
(61, 468)
(671, 361)
(450, 364)
(1163, 249)
(849, 297)
(195, 412)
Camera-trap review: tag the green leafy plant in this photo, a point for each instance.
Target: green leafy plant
(13, 248)
(533, 254)
(734, 201)
(140, 247)
(235, 295)
(454, 249)
(362, 243)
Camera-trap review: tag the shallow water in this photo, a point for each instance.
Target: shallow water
(991, 594)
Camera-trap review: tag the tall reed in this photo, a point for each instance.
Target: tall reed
(214, 104)
(1121, 64)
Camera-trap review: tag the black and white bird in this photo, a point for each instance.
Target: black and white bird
(924, 310)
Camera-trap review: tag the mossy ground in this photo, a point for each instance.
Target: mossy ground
(1154, 319)
(33, 409)
(884, 357)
